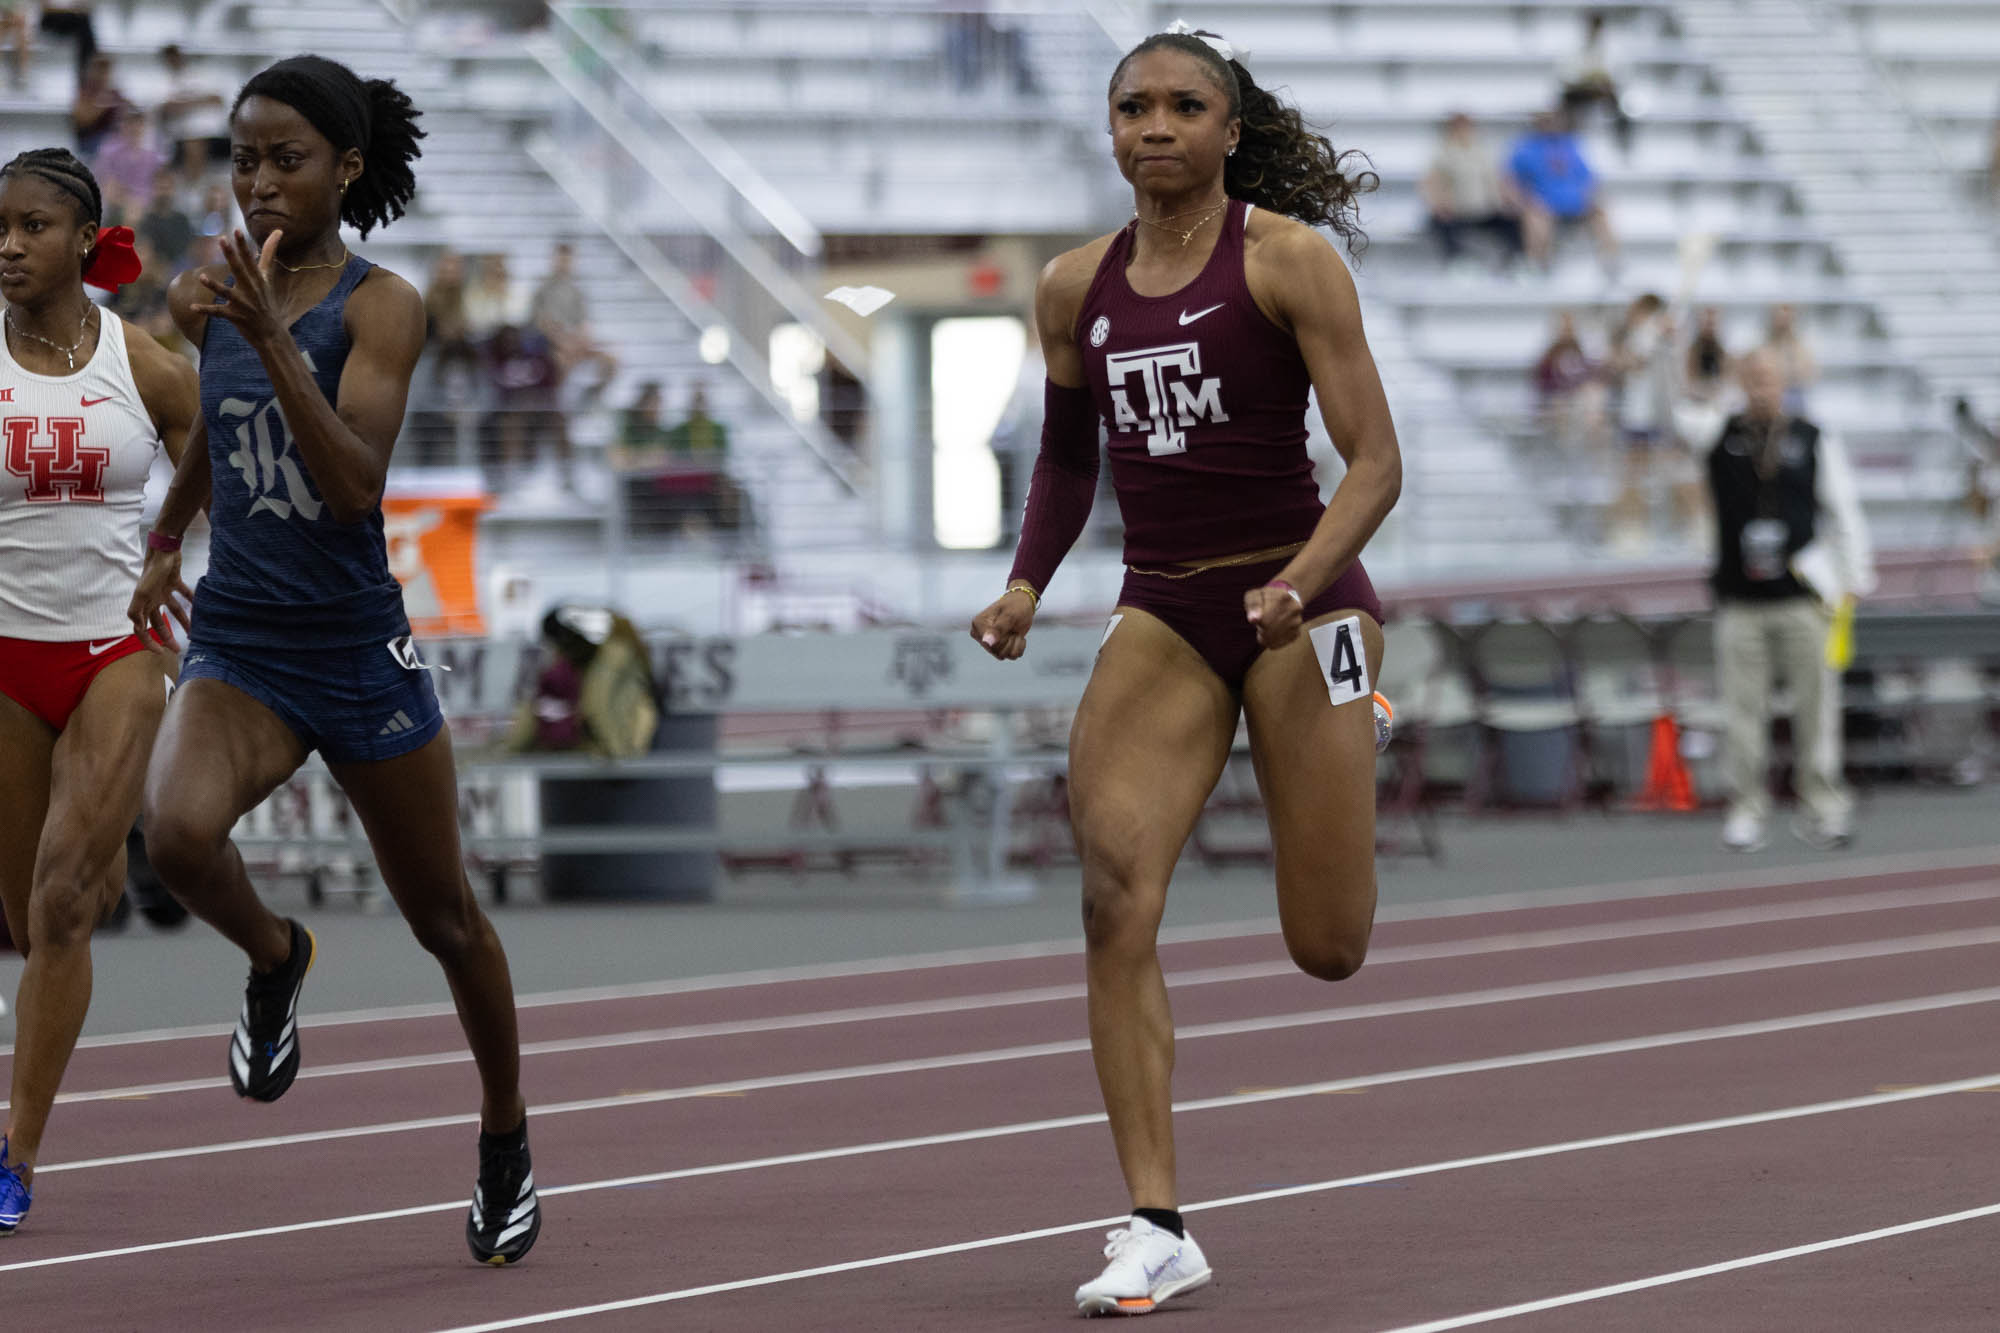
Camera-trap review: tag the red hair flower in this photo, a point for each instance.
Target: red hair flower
(113, 262)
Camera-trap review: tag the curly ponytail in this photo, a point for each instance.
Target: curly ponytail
(1281, 163)
(374, 116)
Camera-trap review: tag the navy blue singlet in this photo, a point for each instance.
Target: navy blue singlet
(283, 572)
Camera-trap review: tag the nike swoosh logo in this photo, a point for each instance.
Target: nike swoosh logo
(108, 645)
(1187, 319)
(93, 402)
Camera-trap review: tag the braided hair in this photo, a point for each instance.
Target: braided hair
(373, 115)
(1281, 163)
(64, 170)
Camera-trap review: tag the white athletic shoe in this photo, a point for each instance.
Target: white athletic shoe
(1742, 831)
(1147, 1266)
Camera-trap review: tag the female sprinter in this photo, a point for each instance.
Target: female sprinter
(86, 403)
(298, 639)
(1194, 333)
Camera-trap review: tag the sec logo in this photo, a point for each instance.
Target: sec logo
(1100, 331)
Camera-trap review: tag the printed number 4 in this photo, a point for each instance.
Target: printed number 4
(1346, 669)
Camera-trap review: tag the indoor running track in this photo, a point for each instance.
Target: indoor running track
(1742, 1102)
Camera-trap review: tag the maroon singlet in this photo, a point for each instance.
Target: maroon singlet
(1205, 400)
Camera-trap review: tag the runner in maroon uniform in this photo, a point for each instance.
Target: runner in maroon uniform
(1194, 334)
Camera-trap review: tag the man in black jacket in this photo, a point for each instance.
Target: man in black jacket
(1791, 548)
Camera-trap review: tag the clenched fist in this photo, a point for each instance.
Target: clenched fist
(1277, 611)
(1002, 628)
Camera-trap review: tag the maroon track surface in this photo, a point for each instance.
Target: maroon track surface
(1487, 1033)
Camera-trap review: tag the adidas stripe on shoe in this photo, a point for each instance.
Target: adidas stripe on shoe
(506, 1216)
(264, 1051)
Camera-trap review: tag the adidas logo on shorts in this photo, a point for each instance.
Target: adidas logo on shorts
(399, 723)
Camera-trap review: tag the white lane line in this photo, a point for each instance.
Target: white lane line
(1691, 1274)
(1971, 858)
(1237, 1201)
(1272, 1023)
(1890, 900)
(1204, 1104)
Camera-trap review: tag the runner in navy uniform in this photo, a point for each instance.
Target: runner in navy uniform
(298, 640)
(1193, 334)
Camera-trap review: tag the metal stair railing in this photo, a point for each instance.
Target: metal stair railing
(1871, 172)
(593, 203)
(707, 182)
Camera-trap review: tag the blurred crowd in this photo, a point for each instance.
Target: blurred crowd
(1542, 186)
(1643, 389)
(162, 167)
(513, 368)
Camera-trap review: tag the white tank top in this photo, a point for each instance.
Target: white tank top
(74, 453)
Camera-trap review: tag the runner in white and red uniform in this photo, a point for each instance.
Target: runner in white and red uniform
(86, 401)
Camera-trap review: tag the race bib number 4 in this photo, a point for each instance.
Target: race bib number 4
(1343, 663)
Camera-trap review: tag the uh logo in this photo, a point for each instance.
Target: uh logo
(264, 455)
(1175, 399)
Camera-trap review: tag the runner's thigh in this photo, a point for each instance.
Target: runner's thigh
(26, 742)
(98, 771)
(1316, 768)
(1147, 746)
(219, 753)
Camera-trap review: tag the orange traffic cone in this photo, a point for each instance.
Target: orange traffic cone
(1668, 786)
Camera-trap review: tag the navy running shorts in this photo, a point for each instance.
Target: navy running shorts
(354, 705)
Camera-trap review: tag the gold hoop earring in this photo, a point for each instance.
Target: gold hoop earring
(343, 188)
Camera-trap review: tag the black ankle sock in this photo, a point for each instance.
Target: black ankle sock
(513, 1140)
(1166, 1219)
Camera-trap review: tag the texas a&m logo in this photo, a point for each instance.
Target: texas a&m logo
(54, 460)
(1175, 399)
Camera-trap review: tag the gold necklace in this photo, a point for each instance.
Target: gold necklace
(69, 352)
(307, 268)
(1187, 235)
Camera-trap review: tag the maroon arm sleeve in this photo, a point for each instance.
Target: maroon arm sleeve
(1062, 486)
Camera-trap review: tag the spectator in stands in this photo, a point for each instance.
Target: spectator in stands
(700, 444)
(99, 107)
(975, 45)
(215, 213)
(558, 309)
(489, 300)
(14, 34)
(1981, 444)
(1587, 80)
(1464, 191)
(1564, 376)
(194, 118)
(1993, 166)
(1704, 385)
(524, 388)
(64, 19)
(699, 436)
(642, 439)
(143, 301)
(1707, 358)
(1557, 188)
(1791, 547)
(638, 456)
(1642, 366)
(559, 315)
(449, 333)
(1794, 356)
(125, 168)
(163, 226)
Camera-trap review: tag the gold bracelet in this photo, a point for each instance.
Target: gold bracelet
(1033, 596)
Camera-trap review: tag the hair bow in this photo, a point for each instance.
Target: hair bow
(1182, 28)
(113, 262)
